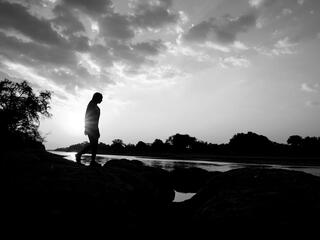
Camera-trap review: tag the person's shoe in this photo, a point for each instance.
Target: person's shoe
(94, 164)
(78, 158)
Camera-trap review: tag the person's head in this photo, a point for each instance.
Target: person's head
(97, 97)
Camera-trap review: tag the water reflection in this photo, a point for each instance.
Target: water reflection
(170, 164)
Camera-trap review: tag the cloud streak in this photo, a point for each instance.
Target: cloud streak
(221, 30)
(16, 16)
(310, 88)
(153, 14)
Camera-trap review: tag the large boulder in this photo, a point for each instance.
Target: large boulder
(253, 199)
(155, 181)
(190, 180)
(46, 191)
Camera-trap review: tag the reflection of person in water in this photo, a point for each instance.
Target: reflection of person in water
(91, 128)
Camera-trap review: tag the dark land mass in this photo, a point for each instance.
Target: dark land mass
(44, 192)
(242, 148)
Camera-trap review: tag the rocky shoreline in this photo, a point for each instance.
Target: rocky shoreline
(122, 197)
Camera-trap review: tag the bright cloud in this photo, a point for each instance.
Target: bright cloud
(256, 3)
(312, 88)
(234, 61)
(282, 47)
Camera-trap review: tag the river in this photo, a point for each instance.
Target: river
(170, 164)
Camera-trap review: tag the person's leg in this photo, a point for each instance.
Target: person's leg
(82, 151)
(94, 146)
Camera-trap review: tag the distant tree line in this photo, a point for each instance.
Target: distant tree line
(245, 144)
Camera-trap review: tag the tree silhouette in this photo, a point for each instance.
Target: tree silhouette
(117, 145)
(250, 143)
(158, 145)
(142, 147)
(21, 109)
(295, 140)
(181, 142)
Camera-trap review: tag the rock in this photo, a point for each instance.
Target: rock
(156, 179)
(47, 192)
(190, 180)
(253, 199)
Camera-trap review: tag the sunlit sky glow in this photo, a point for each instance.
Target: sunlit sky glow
(208, 68)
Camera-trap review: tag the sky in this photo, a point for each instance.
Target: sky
(207, 68)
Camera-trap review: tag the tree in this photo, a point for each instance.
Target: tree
(251, 143)
(295, 140)
(181, 142)
(21, 109)
(142, 147)
(117, 145)
(130, 148)
(158, 145)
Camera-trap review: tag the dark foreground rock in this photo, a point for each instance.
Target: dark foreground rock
(190, 180)
(44, 191)
(253, 200)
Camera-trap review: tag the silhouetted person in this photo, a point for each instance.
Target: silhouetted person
(91, 128)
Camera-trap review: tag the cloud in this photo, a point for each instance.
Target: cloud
(261, 3)
(116, 26)
(92, 7)
(215, 46)
(66, 21)
(186, 51)
(15, 16)
(302, 24)
(286, 11)
(282, 47)
(153, 14)
(234, 61)
(222, 30)
(313, 104)
(311, 88)
(52, 62)
(151, 48)
(136, 54)
(34, 53)
(74, 41)
(147, 77)
(240, 46)
(199, 32)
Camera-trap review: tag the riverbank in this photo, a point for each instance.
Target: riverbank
(282, 160)
(44, 190)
